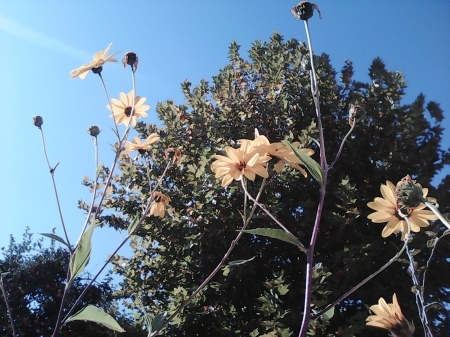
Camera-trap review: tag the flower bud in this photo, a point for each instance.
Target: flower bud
(93, 130)
(304, 10)
(131, 59)
(409, 194)
(38, 121)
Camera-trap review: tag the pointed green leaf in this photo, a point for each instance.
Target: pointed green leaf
(158, 321)
(94, 314)
(132, 226)
(82, 253)
(311, 165)
(276, 234)
(238, 262)
(328, 315)
(56, 238)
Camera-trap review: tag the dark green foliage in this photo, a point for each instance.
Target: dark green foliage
(35, 284)
(271, 92)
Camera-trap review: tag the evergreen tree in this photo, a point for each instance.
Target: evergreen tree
(264, 296)
(34, 279)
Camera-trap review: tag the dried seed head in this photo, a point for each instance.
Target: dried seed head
(38, 121)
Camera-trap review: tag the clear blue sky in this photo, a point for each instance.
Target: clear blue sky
(42, 41)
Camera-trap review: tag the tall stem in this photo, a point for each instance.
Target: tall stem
(323, 163)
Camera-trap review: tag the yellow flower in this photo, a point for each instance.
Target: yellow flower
(137, 145)
(99, 59)
(121, 109)
(246, 161)
(278, 150)
(159, 204)
(390, 317)
(387, 210)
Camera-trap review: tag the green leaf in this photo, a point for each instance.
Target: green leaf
(276, 234)
(311, 165)
(132, 226)
(56, 238)
(82, 253)
(158, 321)
(328, 315)
(238, 262)
(94, 314)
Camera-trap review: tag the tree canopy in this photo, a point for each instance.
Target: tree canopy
(270, 91)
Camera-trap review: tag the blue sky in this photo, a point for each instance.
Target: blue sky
(41, 42)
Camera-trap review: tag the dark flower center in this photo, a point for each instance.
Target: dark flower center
(128, 111)
(241, 166)
(97, 70)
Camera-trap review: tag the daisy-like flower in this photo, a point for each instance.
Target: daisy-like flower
(280, 152)
(387, 210)
(159, 204)
(137, 144)
(121, 109)
(95, 65)
(390, 317)
(247, 161)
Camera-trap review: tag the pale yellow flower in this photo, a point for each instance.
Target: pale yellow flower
(390, 317)
(137, 145)
(159, 204)
(121, 109)
(279, 151)
(246, 162)
(387, 210)
(99, 59)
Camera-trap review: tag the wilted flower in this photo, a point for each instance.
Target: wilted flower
(131, 59)
(304, 10)
(387, 210)
(390, 317)
(121, 109)
(94, 130)
(137, 145)
(95, 65)
(174, 154)
(246, 161)
(38, 121)
(159, 204)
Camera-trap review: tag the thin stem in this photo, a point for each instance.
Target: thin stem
(437, 213)
(233, 244)
(342, 144)
(52, 173)
(109, 102)
(255, 202)
(323, 163)
(360, 284)
(94, 192)
(8, 309)
(143, 216)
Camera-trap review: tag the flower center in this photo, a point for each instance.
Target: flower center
(241, 166)
(128, 111)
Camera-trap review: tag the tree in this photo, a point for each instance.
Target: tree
(271, 92)
(34, 279)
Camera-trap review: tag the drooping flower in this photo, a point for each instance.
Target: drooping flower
(387, 210)
(121, 109)
(95, 65)
(247, 161)
(137, 145)
(390, 317)
(159, 204)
